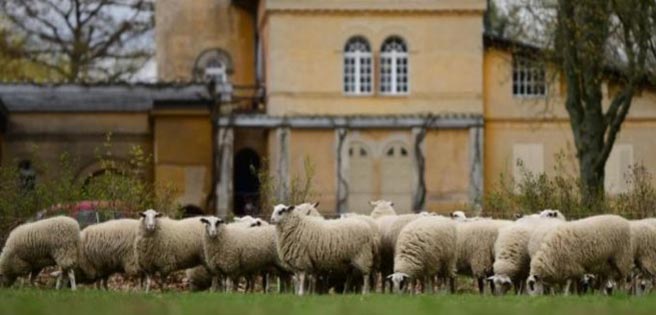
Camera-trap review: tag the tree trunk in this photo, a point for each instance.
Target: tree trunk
(592, 178)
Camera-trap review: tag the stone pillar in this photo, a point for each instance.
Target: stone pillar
(341, 169)
(225, 148)
(419, 163)
(282, 169)
(476, 166)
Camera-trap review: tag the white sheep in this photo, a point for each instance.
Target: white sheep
(249, 221)
(235, 251)
(381, 208)
(314, 245)
(107, 248)
(458, 215)
(539, 233)
(33, 246)
(389, 227)
(475, 246)
(579, 247)
(512, 260)
(425, 248)
(164, 245)
(643, 240)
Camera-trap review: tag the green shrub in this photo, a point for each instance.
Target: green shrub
(562, 191)
(122, 189)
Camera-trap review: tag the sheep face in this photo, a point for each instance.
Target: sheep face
(381, 203)
(643, 286)
(280, 212)
(552, 214)
(535, 285)
(149, 219)
(212, 225)
(258, 222)
(399, 281)
(501, 284)
(458, 215)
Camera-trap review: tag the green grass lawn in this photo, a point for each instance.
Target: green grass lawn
(32, 301)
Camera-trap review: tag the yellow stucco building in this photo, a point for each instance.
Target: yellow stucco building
(402, 100)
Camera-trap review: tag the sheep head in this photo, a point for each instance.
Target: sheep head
(382, 208)
(458, 215)
(258, 222)
(535, 285)
(399, 281)
(149, 219)
(212, 225)
(280, 212)
(500, 283)
(552, 214)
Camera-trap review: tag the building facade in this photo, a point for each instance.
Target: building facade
(405, 101)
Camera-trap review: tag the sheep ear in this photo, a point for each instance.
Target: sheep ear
(517, 215)
(158, 215)
(204, 221)
(219, 221)
(142, 214)
(389, 277)
(491, 278)
(316, 204)
(452, 215)
(288, 209)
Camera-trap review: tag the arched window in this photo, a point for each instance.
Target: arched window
(394, 66)
(357, 66)
(213, 64)
(215, 70)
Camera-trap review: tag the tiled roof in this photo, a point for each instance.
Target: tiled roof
(119, 97)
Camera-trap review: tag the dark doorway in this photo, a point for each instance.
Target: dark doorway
(246, 182)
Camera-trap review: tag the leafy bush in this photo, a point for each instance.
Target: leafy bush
(120, 190)
(300, 190)
(562, 191)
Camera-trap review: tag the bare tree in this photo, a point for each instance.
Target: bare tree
(82, 40)
(594, 42)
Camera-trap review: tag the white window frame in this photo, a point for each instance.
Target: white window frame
(357, 57)
(216, 69)
(394, 57)
(528, 74)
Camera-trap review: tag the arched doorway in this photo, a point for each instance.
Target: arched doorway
(246, 182)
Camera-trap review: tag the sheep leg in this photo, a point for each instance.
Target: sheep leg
(215, 283)
(265, 282)
(481, 285)
(568, 284)
(452, 284)
(33, 275)
(148, 281)
(428, 289)
(60, 277)
(71, 278)
(365, 287)
(301, 282)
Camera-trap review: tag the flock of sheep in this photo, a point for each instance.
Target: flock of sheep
(540, 253)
